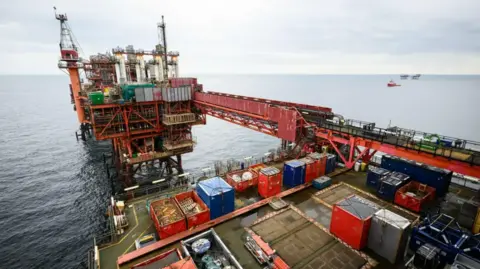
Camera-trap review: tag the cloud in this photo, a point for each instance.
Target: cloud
(249, 36)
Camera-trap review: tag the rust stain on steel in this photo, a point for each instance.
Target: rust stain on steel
(169, 240)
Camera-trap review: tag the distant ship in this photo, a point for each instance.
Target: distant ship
(392, 83)
(404, 76)
(417, 76)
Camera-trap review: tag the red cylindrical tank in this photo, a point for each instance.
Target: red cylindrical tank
(351, 219)
(414, 195)
(269, 182)
(195, 210)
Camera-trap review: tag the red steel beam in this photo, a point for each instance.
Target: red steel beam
(411, 154)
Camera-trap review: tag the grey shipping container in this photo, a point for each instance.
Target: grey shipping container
(148, 94)
(388, 235)
(139, 95)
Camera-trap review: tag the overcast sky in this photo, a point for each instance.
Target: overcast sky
(258, 36)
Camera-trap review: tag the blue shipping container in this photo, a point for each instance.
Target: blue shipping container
(217, 195)
(331, 163)
(293, 173)
(390, 184)
(374, 175)
(322, 182)
(435, 177)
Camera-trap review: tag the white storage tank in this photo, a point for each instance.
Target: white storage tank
(388, 235)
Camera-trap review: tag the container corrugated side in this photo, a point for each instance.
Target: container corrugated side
(139, 95)
(388, 235)
(157, 94)
(241, 185)
(293, 173)
(148, 94)
(193, 219)
(269, 182)
(217, 195)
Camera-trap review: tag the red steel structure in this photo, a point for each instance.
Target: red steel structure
(302, 124)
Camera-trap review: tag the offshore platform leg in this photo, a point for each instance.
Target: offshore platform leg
(179, 162)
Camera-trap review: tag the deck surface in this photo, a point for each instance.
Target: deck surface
(286, 237)
(302, 244)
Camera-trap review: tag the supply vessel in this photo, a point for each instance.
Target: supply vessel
(163, 217)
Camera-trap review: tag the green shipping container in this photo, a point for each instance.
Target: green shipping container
(96, 98)
(128, 90)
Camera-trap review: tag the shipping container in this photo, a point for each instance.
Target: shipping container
(331, 164)
(217, 195)
(428, 257)
(388, 186)
(443, 232)
(185, 263)
(157, 94)
(293, 173)
(388, 235)
(432, 176)
(162, 260)
(194, 209)
(207, 248)
(148, 92)
(256, 168)
(310, 169)
(269, 182)
(242, 179)
(139, 95)
(320, 163)
(351, 220)
(374, 175)
(414, 195)
(476, 224)
(322, 182)
(96, 98)
(167, 217)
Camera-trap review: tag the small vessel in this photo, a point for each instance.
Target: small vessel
(404, 76)
(392, 83)
(416, 77)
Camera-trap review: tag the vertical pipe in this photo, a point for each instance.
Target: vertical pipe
(142, 68)
(123, 71)
(117, 72)
(138, 72)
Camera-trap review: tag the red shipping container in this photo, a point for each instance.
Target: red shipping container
(173, 254)
(185, 263)
(193, 208)
(256, 168)
(167, 217)
(320, 163)
(351, 219)
(235, 180)
(311, 170)
(414, 195)
(269, 182)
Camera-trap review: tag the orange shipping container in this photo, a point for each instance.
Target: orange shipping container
(193, 207)
(311, 171)
(269, 182)
(237, 179)
(320, 163)
(167, 217)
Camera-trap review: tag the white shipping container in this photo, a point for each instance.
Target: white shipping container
(189, 93)
(148, 94)
(388, 235)
(139, 95)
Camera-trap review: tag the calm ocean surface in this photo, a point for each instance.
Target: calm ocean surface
(53, 189)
